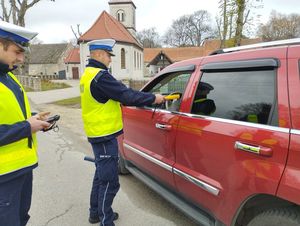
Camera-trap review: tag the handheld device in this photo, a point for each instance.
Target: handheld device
(52, 120)
(172, 97)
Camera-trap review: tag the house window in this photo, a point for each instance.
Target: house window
(121, 16)
(123, 59)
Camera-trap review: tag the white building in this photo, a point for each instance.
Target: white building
(120, 25)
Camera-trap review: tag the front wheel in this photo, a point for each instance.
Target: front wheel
(289, 216)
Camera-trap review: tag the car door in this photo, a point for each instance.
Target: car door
(149, 132)
(290, 183)
(240, 149)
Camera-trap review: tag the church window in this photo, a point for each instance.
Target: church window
(123, 59)
(134, 60)
(138, 60)
(121, 16)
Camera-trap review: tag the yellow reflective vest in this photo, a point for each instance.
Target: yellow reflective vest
(99, 119)
(17, 155)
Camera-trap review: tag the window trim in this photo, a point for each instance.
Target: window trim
(188, 68)
(251, 64)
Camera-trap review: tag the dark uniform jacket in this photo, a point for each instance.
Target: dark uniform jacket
(104, 87)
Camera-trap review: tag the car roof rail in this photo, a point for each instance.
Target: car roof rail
(257, 45)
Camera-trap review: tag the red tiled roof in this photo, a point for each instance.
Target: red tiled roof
(183, 53)
(73, 57)
(175, 54)
(106, 26)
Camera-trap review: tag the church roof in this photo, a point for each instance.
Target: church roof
(106, 26)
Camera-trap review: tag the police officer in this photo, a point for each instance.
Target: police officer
(202, 105)
(101, 95)
(18, 153)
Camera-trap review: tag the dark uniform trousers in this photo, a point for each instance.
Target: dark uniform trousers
(106, 181)
(15, 200)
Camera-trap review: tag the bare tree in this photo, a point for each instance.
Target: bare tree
(199, 27)
(77, 33)
(149, 38)
(240, 21)
(189, 30)
(234, 17)
(15, 10)
(280, 26)
(224, 20)
(176, 35)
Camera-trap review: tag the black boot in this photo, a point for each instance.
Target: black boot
(94, 220)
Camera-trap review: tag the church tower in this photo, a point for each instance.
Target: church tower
(124, 12)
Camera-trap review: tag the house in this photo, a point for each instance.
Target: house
(118, 25)
(47, 60)
(72, 62)
(155, 59)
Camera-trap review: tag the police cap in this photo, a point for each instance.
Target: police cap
(104, 44)
(205, 86)
(19, 35)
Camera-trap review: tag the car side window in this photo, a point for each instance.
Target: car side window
(248, 96)
(172, 83)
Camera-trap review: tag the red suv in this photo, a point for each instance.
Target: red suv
(227, 152)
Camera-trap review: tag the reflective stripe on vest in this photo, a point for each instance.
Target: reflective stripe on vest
(17, 155)
(200, 100)
(98, 119)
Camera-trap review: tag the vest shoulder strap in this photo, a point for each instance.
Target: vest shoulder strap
(100, 73)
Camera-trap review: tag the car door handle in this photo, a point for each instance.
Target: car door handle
(264, 151)
(163, 126)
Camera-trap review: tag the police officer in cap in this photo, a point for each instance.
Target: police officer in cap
(101, 95)
(18, 153)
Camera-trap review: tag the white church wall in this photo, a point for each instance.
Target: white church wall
(133, 61)
(84, 55)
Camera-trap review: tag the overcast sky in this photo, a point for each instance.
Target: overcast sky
(53, 19)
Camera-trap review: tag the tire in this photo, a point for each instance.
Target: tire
(289, 216)
(121, 166)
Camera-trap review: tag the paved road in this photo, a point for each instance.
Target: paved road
(62, 183)
(57, 94)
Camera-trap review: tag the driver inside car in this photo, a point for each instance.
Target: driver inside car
(202, 105)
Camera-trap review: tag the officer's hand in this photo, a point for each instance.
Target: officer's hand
(43, 115)
(159, 99)
(37, 124)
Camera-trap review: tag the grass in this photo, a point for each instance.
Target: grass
(48, 85)
(71, 102)
(27, 89)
